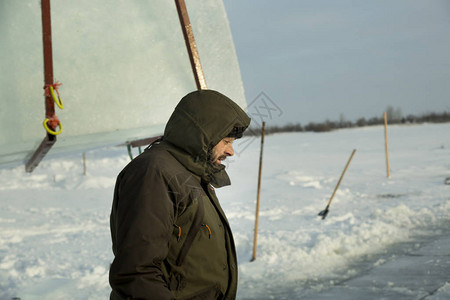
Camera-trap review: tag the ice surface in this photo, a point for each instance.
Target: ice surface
(383, 238)
(124, 67)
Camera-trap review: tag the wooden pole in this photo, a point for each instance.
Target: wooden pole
(84, 163)
(386, 145)
(342, 176)
(324, 212)
(255, 237)
(191, 45)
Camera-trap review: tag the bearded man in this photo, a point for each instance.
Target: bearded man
(170, 236)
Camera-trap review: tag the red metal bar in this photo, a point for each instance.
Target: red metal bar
(50, 139)
(190, 44)
(48, 55)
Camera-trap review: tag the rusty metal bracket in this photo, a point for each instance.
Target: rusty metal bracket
(50, 139)
(140, 143)
(40, 152)
(144, 142)
(191, 45)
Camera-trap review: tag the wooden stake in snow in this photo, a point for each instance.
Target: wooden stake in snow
(386, 145)
(84, 163)
(255, 238)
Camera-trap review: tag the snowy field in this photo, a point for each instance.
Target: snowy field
(54, 223)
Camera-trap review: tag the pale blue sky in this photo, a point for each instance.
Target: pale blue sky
(319, 59)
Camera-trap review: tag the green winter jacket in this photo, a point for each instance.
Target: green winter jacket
(171, 239)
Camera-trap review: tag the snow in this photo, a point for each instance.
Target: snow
(383, 238)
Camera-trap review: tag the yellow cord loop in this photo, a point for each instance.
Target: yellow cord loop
(52, 122)
(51, 131)
(58, 99)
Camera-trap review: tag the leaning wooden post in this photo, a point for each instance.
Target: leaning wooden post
(386, 145)
(255, 237)
(325, 212)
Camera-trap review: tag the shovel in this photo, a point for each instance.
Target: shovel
(324, 212)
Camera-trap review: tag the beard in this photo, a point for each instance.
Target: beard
(212, 159)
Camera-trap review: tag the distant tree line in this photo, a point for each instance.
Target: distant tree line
(394, 116)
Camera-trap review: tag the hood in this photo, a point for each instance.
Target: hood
(200, 121)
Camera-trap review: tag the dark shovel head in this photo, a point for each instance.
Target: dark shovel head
(324, 213)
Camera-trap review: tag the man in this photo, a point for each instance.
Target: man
(171, 239)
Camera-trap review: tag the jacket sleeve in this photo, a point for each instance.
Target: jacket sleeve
(141, 226)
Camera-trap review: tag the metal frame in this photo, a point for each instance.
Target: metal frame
(50, 139)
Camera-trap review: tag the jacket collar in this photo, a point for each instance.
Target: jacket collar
(207, 172)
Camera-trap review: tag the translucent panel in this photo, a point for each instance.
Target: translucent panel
(123, 66)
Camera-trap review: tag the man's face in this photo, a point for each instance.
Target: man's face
(223, 149)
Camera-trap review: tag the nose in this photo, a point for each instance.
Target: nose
(229, 150)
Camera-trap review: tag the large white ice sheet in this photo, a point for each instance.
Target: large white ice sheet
(123, 65)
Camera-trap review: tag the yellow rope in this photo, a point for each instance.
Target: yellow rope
(58, 99)
(51, 131)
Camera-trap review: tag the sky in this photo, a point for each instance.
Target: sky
(326, 60)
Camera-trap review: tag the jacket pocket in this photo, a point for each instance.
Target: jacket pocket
(195, 228)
